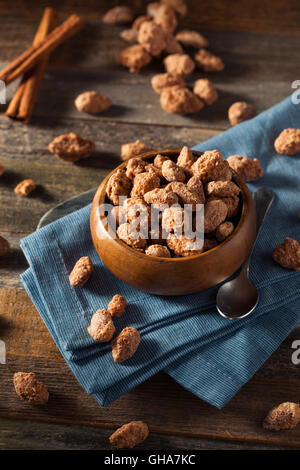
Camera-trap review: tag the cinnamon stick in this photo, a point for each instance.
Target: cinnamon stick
(23, 101)
(34, 53)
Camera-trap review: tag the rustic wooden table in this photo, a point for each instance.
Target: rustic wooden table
(260, 43)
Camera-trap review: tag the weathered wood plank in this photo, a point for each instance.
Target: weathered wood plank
(268, 16)
(259, 69)
(175, 411)
(24, 154)
(37, 435)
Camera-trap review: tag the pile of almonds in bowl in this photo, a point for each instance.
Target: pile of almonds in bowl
(156, 203)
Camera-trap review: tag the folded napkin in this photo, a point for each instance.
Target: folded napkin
(185, 336)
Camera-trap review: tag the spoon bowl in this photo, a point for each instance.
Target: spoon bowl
(239, 297)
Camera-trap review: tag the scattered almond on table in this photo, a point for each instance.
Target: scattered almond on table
(287, 254)
(124, 346)
(101, 327)
(117, 306)
(240, 111)
(81, 272)
(71, 147)
(92, 102)
(30, 389)
(129, 435)
(25, 187)
(284, 416)
(118, 15)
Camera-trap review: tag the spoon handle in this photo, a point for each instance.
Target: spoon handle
(263, 198)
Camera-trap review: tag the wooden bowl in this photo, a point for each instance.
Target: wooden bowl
(174, 276)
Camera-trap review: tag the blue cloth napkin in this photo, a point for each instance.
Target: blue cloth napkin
(209, 355)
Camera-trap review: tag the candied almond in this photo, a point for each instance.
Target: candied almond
(159, 160)
(164, 80)
(211, 167)
(129, 435)
(284, 416)
(186, 158)
(152, 8)
(101, 327)
(166, 18)
(125, 344)
(134, 167)
(133, 149)
(81, 272)
(208, 62)
(4, 246)
(222, 189)
(117, 305)
(129, 35)
(172, 45)
(139, 21)
(30, 389)
(134, 57)
(135, 207)
(152, 38)
(195, 184)
(178, 5)
(209, 243)
(71, 147)
(177, 100)
(246, 168)
(131, 237)
(215, 212)
(179, 64)
(118, 185)
(224, 230)
(191, 38)
(287, 254)
(288, 142)
(25, 187)
(158, 250)
(172, 172)
(160, 196)
(206, 91)
(118, 15)
(118, 215)
(143, 183)
(173, 220)
(183, 246)
(92, 102)
(150, 168)
(187, 195)
(240, 111)
(232, 204)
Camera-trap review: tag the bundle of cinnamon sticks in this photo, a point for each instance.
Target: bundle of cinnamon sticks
(33, 62)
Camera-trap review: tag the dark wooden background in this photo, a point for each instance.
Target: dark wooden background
(260, 43)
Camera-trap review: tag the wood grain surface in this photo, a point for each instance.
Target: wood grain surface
(259, 42)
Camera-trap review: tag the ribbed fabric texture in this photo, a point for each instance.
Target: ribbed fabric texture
(207, 354)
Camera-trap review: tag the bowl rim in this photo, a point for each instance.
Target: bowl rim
(245, 193)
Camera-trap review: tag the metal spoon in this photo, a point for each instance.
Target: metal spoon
(238, 298)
